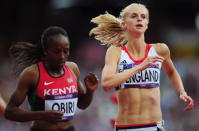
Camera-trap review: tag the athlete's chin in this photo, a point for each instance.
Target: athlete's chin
(138, 31)
(61, 64)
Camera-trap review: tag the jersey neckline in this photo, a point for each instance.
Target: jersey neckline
(45, 69)
(148, 46)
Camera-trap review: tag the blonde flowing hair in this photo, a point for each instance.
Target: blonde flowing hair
(108, 30)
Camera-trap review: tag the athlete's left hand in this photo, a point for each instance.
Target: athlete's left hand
(185, 98)
(91, 81)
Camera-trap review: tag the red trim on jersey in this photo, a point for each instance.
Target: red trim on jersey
(148, 46)
(146, 124)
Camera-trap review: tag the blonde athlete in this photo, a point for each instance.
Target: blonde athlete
(132, 67)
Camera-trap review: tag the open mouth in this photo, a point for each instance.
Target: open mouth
(139, 25)
(61, 63)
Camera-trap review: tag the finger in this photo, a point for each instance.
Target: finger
(93, 81)
(189, 107)
(57, 116)
(54, 119)
(153, 65)
(188, 99)
(58, 113)
(91, 78)
(190, 103)
(155, 57)
(90, 75)
(157, 60)
(159, 57)
(183, 99)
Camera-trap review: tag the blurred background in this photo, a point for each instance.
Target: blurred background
(174, 22)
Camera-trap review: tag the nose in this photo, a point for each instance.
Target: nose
(62, 55)
(139, 18)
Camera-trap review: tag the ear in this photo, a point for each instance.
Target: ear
(123, 25)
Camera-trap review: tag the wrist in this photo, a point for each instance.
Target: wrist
(37, 115)
(136, 69)
(182, 92)
(90, 91)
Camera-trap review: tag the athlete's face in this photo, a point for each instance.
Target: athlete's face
(136, 19)
(58, 50)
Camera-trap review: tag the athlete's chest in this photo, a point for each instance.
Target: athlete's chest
(47, 85)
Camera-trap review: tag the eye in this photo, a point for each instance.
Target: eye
(143, 16)
(56, 51)
(66, 51)
(133, 16)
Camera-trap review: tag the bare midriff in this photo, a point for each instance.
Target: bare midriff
(138, 106)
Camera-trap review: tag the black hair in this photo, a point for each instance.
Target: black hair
(51, 31)
(25, 54)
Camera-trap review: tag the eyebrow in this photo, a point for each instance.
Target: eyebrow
(143, 14)
(134, 13)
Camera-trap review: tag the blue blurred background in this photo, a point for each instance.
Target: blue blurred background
(174, 22)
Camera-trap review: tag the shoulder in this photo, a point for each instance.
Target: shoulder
(162, 49)
(30, 70)
(73, 67)
(30, 74)
(113, 53)
(114, 50)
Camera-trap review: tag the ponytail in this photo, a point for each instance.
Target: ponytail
(108, 30)
(25, 54)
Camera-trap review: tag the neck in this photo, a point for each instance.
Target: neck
(52, 70)
(136, 44)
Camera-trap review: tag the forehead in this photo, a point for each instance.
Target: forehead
(140, 9)
(58, 40)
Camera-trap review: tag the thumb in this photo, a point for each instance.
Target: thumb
(183, 99)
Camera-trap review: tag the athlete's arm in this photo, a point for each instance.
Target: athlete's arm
(169, 68)
(112, 79)
(91, 83)
(26, 80)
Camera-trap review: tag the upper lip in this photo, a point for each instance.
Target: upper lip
(140, 25)
(61, 62)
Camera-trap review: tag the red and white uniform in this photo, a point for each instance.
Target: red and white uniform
(150, 77)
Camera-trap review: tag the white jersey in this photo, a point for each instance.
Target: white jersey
(148, 78)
